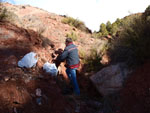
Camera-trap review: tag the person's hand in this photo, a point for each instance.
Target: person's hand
(59, 51)
(57, 62)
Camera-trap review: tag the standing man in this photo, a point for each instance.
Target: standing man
(70, 54)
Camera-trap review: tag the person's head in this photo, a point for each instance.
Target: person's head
(68, 40)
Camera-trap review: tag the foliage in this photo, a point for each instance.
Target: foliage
(147, 11)
(118, 22)
(108, 26)
(76, 23)
(82, 53)
(132, 45)
(96, 34)
(3, 14)
(6, 15)
(103, 29)
(92, 60)
(114, 29)
(3, 11)
(72, 35)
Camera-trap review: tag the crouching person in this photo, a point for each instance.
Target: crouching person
(70, 54)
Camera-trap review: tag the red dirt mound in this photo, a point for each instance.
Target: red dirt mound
(17, 95)
(18, 85)
(135, 97)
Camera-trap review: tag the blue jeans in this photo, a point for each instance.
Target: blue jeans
(72, 76)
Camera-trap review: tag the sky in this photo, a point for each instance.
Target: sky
(91, 12)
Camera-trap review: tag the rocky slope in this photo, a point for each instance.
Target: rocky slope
(33, 29)
(45, 23)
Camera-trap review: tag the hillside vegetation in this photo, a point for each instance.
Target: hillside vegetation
(133, 43)
(24, 29)
(76, 23)
(129, 38)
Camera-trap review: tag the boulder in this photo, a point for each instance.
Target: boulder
(110, 79)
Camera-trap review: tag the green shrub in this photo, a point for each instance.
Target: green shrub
(96, 35)
(108, 29)
(114, 29)
(71, 21)
(82, 53)
(6, 15)
(92, 62)
(92, 59)
(72, 35)
(147, 11)
(76, 23)
(108, 26)
(3, 14)
(134, 42)
(103, 29)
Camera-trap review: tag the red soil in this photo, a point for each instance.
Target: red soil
(135, 97)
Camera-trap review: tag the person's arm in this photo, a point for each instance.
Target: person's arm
(63, 56)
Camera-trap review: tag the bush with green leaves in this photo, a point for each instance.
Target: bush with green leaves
(108, 26)
(76, 23)
(147, 12)
(115, 27)
(6, 15)
(72, 35)
(3, 14)
(96, 35)
(108, 29)
(103, 29)
(92, 59)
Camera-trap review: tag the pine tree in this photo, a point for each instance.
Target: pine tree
(108, 26)
(114, 29)
(103, 29)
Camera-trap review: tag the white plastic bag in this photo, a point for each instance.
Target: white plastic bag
(28, 60)
(38, 92)
(50, 68)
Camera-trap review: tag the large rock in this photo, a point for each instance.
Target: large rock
(110, 79)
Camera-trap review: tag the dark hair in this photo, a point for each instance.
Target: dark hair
(68, 40)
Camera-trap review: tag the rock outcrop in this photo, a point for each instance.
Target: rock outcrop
(110, 79)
